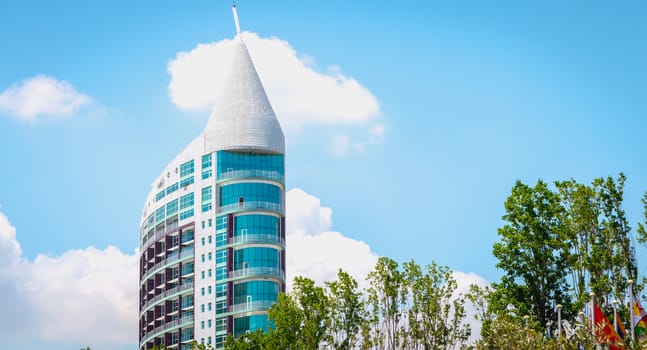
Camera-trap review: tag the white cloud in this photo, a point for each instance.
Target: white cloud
(376, 133)
(313, 250)
(341, 145)
(89, 296)
(42, 96)
(86, 296)
(299, 94)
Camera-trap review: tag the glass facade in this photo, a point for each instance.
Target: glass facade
(250, 323)
(249, 192)
(256, 291)
(244, 163)
(256, 224)
(256, 257)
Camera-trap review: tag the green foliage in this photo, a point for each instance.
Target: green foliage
(529, 252)
(347, 311)
(558, 245)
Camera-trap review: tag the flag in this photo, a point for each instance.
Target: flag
(620, 328)
(603, 329)
(639, 321)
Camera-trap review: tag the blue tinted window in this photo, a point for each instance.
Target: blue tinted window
(250, 323)
(257, 291)
(256, 224)
(250, 192)
(256, 257)
(250, 164)
(172, 188)
(186, 169)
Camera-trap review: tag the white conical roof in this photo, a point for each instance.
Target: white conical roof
(243, 118)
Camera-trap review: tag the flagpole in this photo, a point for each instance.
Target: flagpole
(559, 320)
(615, 314)
(593, 317)
(631, 309)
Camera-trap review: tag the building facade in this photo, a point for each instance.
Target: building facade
(212, 232)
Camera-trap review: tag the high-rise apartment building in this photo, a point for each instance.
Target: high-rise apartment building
(213, 227)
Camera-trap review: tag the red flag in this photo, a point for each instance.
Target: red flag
(604, 329)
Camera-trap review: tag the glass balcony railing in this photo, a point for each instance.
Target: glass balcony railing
(253, 173)
(257, 271)
(250, 206)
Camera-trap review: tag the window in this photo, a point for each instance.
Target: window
(202, 257)
(210, 239)
(209, 289)
(160, 214)
(186, 201)
(202, 291)
(209, 255)
(221, 257)
(221, 290)
(202, 274)
(209, 308)
(186, 182)
(202, 308)
(160, 195)
(172, 188)
(250, 192)
(202, 240)
(207, 196)
(209, 340)
(186, 169)
(202, 324)
(203, 225)
(209, 273)
(210, 222)
(209, 323)
(186, 214)
(245, 164)
(171, 207)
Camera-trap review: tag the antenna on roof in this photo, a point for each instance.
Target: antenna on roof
(236, 19)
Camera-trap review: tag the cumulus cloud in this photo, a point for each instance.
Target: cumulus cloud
(77, 296)
(376, 133)
(42, 96)
(314, 250)
(341, 145)
(299, 94)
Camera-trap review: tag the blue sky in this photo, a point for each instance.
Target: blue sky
(472, 96)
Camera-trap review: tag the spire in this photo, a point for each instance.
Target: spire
(233, 9)
(243, 118)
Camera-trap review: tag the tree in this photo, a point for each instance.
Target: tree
(347, 311)
(387, 296)
(529, 252)
(435, 316)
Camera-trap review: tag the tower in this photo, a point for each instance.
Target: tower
(212, 233)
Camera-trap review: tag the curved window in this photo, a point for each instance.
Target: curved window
(245, 162)
(256, 291)
(256, 257)
(256, 224)
(250, 323)
(249, 192)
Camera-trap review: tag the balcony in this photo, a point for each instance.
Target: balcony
(250, 206)
(251, 173)
(158, 331)
(171, 259)
(169, 293)
(256, 272)
(260, 305)
(256, 238)
(158, 235)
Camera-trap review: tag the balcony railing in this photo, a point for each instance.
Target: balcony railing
(255, 173)
(256, 238)
(170, 259)
(158, 235)
(251, 306)
(257, 271)
(165, 327)
(166, 294)
(249, 206)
